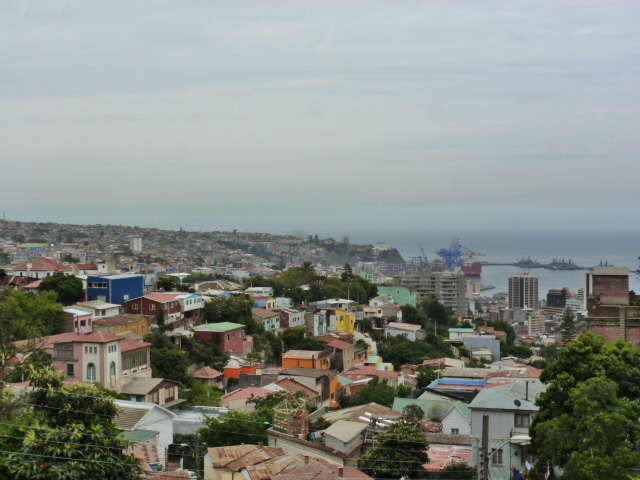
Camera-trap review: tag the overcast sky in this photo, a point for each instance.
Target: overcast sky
(322, 117)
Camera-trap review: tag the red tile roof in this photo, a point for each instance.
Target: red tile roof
(97, 337)
(294, 386)
(339, 344)
(162, 297)
(245, 393)
(207, 372)
(44, 264)
(131, 345)
(86, 266)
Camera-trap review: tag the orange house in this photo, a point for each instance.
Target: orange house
(307, 359)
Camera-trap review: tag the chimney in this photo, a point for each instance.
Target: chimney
(260, 445)
(526, 391)
(306, 459)
(341, 472)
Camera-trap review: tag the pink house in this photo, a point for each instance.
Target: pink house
(101, 357)
(78, 320)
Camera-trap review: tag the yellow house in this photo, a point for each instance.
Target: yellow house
(121, 324)
(345, 321)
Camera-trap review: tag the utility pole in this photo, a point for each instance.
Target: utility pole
(485, 447)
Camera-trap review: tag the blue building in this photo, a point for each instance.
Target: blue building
(115, 288)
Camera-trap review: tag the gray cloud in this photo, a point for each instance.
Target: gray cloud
(325, 116)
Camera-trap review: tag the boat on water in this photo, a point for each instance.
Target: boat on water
(473, 269)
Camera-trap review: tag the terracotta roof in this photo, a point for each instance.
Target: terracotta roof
(207, 372)
(97, 337)
(44, 264)
(248, 392)
(305, 354)
(294, 386)
(161, 297)
(172, 475)
(441, 456)
(323, 471)
(86, 266)
(339, 344)
(131, 345)
(264, 313)
(35, 284)
(145, 452)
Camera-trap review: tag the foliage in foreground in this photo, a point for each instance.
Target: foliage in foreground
(72, 435)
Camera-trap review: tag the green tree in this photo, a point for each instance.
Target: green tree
(568, 326)
(599, 438)
(347, 273)
(400, 453)
(375, 391)
(38, 359)
(171, 364)
(170, 283)
(587, 357)
(67, 287)
(235, 309)
(203, 395)
(414, 315)
(72, 436)
(295, 338)
(456, 470)
(399, 351)
(160, 318)
(25, 317)
(425, 376)
(234, 428)
(412, 414)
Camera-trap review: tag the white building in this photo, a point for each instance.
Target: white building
(135, 243)
(407, 330)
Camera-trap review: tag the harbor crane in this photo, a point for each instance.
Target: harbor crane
(455, 255)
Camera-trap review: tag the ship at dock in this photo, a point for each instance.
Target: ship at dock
(528, 263)
(458, 257)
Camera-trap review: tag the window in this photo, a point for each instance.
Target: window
(455, 431)
(83, 323)
(126, 296)
(91, 372)
(152, 307)
(496, 456)
(135, 306)
(112, 369)
(69, 369)
(522, 420)
(86, 349)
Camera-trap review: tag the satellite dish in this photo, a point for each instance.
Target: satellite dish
(517, 402)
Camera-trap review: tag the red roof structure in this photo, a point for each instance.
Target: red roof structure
(340, 344)
(207, 373)
(44, 264)
(249, 392)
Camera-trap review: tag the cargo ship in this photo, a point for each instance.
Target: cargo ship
(473, 269)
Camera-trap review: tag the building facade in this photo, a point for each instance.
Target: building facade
(523, 291)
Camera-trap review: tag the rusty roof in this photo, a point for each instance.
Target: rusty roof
(237, 457)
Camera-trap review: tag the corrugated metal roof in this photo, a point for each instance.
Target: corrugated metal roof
(345, 431)
(141, 386)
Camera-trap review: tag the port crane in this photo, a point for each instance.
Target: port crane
(454, 255)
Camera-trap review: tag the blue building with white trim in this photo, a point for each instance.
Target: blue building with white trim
(115, 288)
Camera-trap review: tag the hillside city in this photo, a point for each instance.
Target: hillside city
(251, 356)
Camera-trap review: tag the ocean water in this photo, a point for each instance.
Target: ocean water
(583, 248)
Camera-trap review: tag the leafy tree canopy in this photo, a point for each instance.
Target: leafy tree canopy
(375, 391)
(72, 436)
(599, 438)
(399, 351)
(26, 317)
(588, 357)
(295, 338)
(400, 453)
(234, 428)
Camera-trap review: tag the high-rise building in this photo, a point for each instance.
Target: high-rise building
(449, 287)
(523, 291)
(135, 243)
(537, 324)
